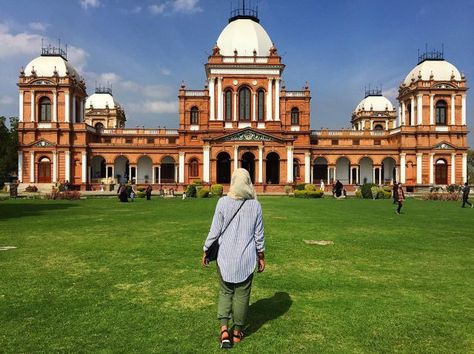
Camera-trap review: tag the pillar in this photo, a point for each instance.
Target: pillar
(55, 166)
(32, 167)
(153, 174)
(289, 164)
(235, 107)
(453, 168)
(55, 107)
(277, 99)
(159, 174)
(419, 168)
(67, 166)
(74, 108)
(84, 167)
(371, 125)
(432, 121)
(236, 157)
(403, 113)
(20, 106)
(412, 110)
(32, 110)
(357, 175)
(386, 124)
(431, 178)
(307, 167)
(212, 102)
(206, 163)
(464, 168)
(260, 164)
(81, 110)
(181, 167)
(463, 110)
(20, 166)
(176, 174)
(67, 117)
(403, 167)
(254, 106)
(419, 109)
(220, 105)
(453, 109)
(129, 172)
(269, 99)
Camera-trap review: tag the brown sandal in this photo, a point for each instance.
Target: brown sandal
(238, 337)
(225, 342)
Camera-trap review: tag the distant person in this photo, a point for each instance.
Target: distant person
(334, 188)
(238, 227)
(400, 196)
(122, 193)
(148, 191)
(339, 187)
(465, 195)
(394, 192)
(322, 185)
(133, 194)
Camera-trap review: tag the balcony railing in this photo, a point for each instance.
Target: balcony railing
(295, 93)
(139, 132)
(195, 93)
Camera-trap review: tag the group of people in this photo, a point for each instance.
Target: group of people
(338, 189)
(125, 193)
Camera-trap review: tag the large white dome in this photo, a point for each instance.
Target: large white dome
(375, 103)
(45, 65)
(245, 36)
(101, 101)
(441, 70)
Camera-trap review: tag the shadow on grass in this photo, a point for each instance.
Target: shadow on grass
(266, 310)
(10, 210)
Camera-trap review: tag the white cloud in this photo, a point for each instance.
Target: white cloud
(77, 57)
(165, 72)
(7, 100)
(136, 10)
(150, 106)
(391, 94)
(39, 26)
(157, 9)
(89, 3)
(186, 6)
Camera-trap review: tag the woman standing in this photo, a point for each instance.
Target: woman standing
(241, 248)
(399, 197)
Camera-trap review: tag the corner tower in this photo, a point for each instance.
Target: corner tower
(374, 112)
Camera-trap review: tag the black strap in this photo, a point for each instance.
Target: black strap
(240, 207)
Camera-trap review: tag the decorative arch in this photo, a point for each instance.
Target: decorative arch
(44, 170)
(343, 169)
(98, 168)
(245, 95)
(44, 112)
(122, 169)
(320, 169)
(168, 169)
(366, 168)
(144, 169)
(260, 104)
(296, 169)
(223, 168)
(248, 162)
(378, 127)
(99, 127)
(228, 105)
(193, 168)
(389, 170)
(441, 171)
(273, 168)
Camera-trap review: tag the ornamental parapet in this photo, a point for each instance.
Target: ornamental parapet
(139, 131)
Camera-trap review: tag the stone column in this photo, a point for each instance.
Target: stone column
(419, 168)
(55, 106)
(386, 124)
(176, 174)
(453, 109)
(236, 118)
(32, 167)
(212, 103)
(67, 102)
(307, 167)
(254, 106)
(357, 175)
(277, 99)
(130, 172)
(419, 109)
(84, 167)
(403, 113)
(453, 168)
(464, 168)
(159, 174)
(289, 163)
(412, 110)
(181, 167)
(67, 166)
(260, 164)
(153, 174)
(81, 110)
(236, 157)
(74, 108)
(206, 163)
(431, 179)
(20, 106)
(20, 166)
(55, 166)
(220, 97)
(463, 110)
(371, 125)
(432, 121)
(403, 167)
(33, 103)
(269, 99)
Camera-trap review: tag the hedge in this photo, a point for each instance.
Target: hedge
(191, 191)
(217, 190)
(309, 194)
(203, 193)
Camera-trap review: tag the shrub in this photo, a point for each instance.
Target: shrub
(310, 187)
(203, 193)
(309, 194)
(141, 194)
(442, 196)
(453, 188)
(358, 193)
(197, 182)
(387, 195)
(288, 189)
(300, 186)
(191, 191)
(140, 189)
(31, 189)
(300, 193)
(366, 190)
(70, 195)
(217, 190)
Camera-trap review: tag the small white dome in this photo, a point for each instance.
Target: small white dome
(375, 103)
(100, 101)
(245, 36)
(441, 70)
(45, 65)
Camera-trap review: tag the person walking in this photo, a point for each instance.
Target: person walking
(122, 193)
(148, 191)
(400, 197)
(465, 195)
(394, 192)
(238, 216)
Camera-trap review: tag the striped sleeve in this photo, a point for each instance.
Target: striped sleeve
(216, 227)
(259, 230)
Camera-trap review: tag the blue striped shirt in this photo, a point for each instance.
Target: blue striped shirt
(239, 244)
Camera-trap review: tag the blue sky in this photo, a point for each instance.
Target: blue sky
(146, 48)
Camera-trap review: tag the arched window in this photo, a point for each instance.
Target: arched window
(378, 127)
(295, 116)
(194, 168)
(45, 109)
(228, 105)
(441, 112)
(296, 169)
(99, 127)
(244, 104)
(261, 105)
(194, 116)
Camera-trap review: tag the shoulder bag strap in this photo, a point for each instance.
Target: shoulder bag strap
(233, 216)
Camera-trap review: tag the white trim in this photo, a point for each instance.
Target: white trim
(464, 168)
(403, 167)
(20, 106)
(432, 109)
(55, 106)
(20, 166)
(261, 125)
(307, 167)
(220, 103)
(463, 110)
(212, 103)
(32, 167)
(67, 166)
(244, 125)
(194, 127)
(295, 128)
(260, 164)
(245, 71)
(236, 157)
(419, 109)
(419, 168)
(442, 129)
(269, 99)
(228, 125)
(431, 180)
(84, 167)
(181, 167)
(67, 117)
(235, 107)
(403, 113)
(277, 99)
(453, 168)
(412, 110)
(55, 166)
(453, 109)
(289, 163)
(32, 108)
(206, 163)
(254, 106)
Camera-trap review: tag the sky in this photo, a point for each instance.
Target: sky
(146, 48)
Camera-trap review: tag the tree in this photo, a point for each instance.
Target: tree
(470, 166)
(8, 149)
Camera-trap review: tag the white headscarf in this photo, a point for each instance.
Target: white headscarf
(241, 186)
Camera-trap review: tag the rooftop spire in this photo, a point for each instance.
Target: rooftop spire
(245, 10)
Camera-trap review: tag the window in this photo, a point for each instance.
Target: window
(378, 127)
(228, 105)
(295, 116)
(99, 127)
(377, 142)
(107, 140)
(194, 116)
(441, 113)
(334, 142)
(356, 142)
(150, 141)
(296, 169)
(128, 141)
(194, 137)
(171, 140)
(244, 104)
(409, 114)
(261, 105)
(45, 109)
(194, 168)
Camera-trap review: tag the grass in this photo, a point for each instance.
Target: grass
(100, 276)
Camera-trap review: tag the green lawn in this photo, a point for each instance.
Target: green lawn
(100, 276)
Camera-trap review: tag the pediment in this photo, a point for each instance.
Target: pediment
(248, 135)
(444, 146)
(42, 144)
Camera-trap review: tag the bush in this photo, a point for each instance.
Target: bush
(203, 193)
(140, 189)
(31, 189)
(197, 182)
(453, 188)
(300, 186)
(300, 193)
(287, 189)
(191, 191)
(141, 194)
(70, 195)
(366, 190)
(217, 190)
(452, 197)
(310, 187)
(358, 193)
(309, 194)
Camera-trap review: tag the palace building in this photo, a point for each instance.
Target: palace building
(243, 117)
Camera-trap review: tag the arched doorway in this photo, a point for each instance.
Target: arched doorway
(441, 172)
(44, 170)
(223, 168)
(121, 167)
(273, 168)
(389, 170)
(366, 170)
(343, 170)
(168, 170)
(98, 169)
(144, 170)
(320, 170)
(248, 162)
